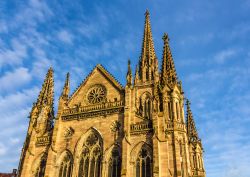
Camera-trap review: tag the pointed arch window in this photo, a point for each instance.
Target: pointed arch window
(147, 75)
(181, 159)
(91, 157)
(66, 166)
(147, 108)
(115, 164)
(41, 168)
(194, 161)
(144, 164)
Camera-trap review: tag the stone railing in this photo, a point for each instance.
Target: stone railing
(93, 110)
(141, 127)
(175, 125)
(43, 141)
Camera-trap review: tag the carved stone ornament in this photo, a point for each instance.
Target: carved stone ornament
(96, 94)
(68, 132)
(115, 126)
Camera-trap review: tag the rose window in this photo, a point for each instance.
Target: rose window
(96, 94)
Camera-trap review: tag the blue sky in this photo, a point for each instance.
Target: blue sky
(210, 45)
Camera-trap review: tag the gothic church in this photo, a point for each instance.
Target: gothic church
(106, 130)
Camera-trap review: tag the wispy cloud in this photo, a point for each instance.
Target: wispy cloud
(2, 149)
(65, 36)
(225, 55)
(13, 55)
(12, 80)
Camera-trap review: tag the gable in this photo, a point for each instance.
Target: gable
(98, 82)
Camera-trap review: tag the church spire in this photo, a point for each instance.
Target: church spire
(191, 128)
(168, 73)
(65, 92)
(148, 64)
(46, 95)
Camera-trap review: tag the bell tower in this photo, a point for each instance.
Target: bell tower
(35, 150)
(141, 111)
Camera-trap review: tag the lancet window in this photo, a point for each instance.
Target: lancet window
(182, 158)
(91, 157)
(147, 108)
(169, 110)
(144, 163)
(114, 164)
(66, 166)
(41, 168)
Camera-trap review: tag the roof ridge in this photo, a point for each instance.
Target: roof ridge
(112, 76)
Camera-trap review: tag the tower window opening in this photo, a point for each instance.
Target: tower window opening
(143, 164)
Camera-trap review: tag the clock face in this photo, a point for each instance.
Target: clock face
(96, 94)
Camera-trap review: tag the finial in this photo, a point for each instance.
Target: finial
(147, 13)
(165, 38)
(67, 77)
(188, 102)
(129, 74)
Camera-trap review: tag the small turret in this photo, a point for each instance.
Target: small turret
(66, 88)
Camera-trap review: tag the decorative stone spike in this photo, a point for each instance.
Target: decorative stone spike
(168, 73)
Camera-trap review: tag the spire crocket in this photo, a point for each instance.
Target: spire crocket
(46, 95)
(191, 128)
(168, 72)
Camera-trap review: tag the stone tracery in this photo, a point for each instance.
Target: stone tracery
(91, 156)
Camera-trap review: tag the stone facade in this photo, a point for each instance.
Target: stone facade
(106, 130)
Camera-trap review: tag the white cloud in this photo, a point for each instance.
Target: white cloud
(36, 11)
(13, 80)
(222, 56)
(197, 39)
(3, 27)
(3, 149)
(65, 36)
(17, 100)
(13, 55)
(14, 140)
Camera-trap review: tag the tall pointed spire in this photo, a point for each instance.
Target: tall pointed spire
(129, 74)
(191, 128)
(168, 73)
(46, 95)
(148, 64)
(66, 88)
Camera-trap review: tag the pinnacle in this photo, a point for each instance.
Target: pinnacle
(169, 75)
(65, 92)
(147, 13)
(188, 104)
(191, 128)
(165, 38)
(47, 92)
(148, 61)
